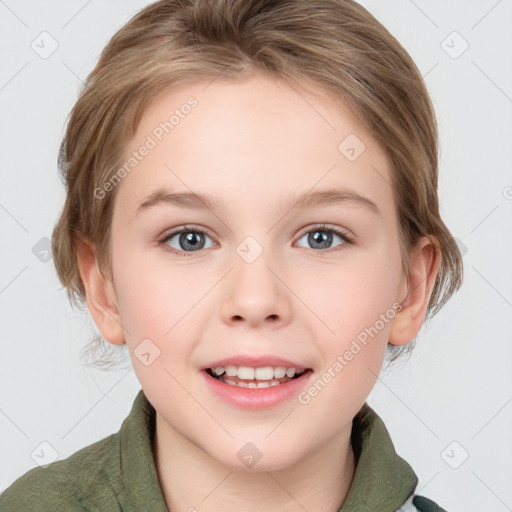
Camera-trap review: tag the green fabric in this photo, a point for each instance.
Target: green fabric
(383, 481)
(114, 474)
(118, 472)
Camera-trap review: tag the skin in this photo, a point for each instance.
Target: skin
(251, 143)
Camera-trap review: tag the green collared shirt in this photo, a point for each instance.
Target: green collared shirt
(118, 473)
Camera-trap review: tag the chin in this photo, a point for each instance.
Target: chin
(257, 457)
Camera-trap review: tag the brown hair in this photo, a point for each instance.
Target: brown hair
(335, 46)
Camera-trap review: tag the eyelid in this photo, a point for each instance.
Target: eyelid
(303, 231)
(167, 235)
(342, 233)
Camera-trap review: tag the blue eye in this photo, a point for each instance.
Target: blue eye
(190, 239)
(321, 237)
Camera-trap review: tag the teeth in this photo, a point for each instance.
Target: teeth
(279, 372)
(254, 385)
(266, 373)
(245, 373)
(231, 371)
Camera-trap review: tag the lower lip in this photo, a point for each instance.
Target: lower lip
(253, 398)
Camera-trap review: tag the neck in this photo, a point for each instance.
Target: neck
(191, 479)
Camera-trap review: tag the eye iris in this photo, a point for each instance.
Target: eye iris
(191, 240)
(324, 238)
(195, 240)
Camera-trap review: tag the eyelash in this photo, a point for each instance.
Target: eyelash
(321, 227)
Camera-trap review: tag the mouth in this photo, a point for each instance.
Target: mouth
(255, 378)
(249, 382)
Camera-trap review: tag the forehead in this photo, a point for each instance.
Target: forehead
(251, 142)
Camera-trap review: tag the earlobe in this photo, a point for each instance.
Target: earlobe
(424, 266)
(100, 295)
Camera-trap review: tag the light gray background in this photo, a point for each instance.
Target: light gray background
(457, 385)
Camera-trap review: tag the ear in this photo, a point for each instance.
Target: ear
(100, 294)
(424, 265)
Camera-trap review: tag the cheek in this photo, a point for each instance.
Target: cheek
(152, 295)
(153, 306)
(356, 303)
(161, 303)
(352, 296)
(148, 308)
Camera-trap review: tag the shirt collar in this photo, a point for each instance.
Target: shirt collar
(139, 489)
(383, 481)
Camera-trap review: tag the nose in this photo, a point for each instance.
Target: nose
(255, 294)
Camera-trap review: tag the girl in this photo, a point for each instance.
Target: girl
(252, 209)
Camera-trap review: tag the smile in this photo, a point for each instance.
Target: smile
(261, 387)
(254, 378)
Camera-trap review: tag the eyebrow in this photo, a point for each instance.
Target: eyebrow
(301, 201)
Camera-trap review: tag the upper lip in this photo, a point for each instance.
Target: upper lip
(256, 362)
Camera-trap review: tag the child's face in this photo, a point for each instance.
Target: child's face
(262, 283)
